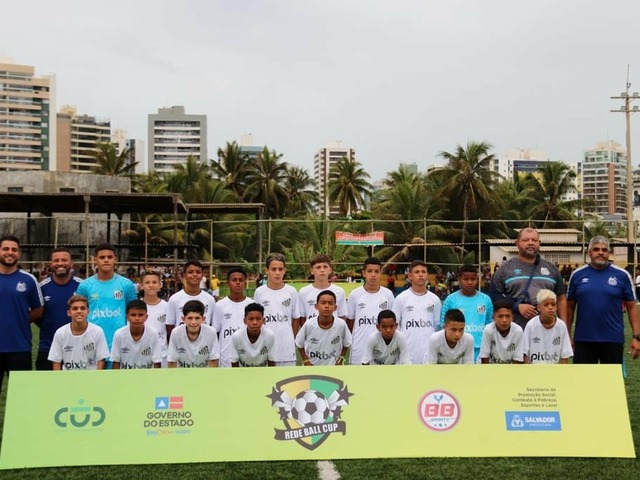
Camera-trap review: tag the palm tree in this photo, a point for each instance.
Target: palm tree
(467, 181)
(266, 182)
(186, 177)
(303, 197)
(549, 186)
(110, 162)
(402, 174)
(152, 182)
(348, 186)
(232, 167)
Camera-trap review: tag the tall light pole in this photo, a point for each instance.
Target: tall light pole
(626, 108)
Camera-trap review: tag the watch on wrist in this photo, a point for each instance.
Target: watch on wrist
(636, 337)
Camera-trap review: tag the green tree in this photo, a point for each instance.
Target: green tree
(549, 187)
(301, 192)
(348, 186)
(232, 168)
(266, 183)
(467, 182)
(186, 177)
(110, 162)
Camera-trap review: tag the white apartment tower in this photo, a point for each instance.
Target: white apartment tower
(174, 136)
(604, 179)
(27, 119)
(324, 159)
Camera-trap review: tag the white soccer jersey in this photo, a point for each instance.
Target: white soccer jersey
(281, 307)
(194, 354)
(546, 345)
(323, 345)
(228, 318)
(156, 319)
(377, 352)
(309, 297)
(249, 354)
(418, 317)
(79, 352)
(177, 301)
(136, 354)
(441, 353)
(363, 308)
(499, 349)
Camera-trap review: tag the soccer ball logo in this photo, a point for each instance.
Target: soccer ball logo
(310, 407)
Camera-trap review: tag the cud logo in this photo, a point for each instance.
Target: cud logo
(80, 416)
(310, 407)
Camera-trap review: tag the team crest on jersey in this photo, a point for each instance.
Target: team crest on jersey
(556, 341)
(544, 271)
(310, 406)
(21, 287)
(613, 281)
(286, 303)
(431, 308)
(481, 309)
(383, 305)
(118, 295)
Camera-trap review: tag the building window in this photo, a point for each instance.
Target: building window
(15, 189)
(67, 189)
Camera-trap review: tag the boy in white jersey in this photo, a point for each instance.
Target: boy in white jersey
(502, 340)
(546, 340)
(151, 283)
(136, 345)
(230, 312)
(325, 339)
(386, 346)
(193, 344)
(193, 273)
(475, 305)
(365, 303)
(451, 345)
(252, 346)
(281, 310)
(417, 311)
(321, 269)
(80, 345)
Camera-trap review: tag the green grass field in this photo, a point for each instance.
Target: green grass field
(414, 468)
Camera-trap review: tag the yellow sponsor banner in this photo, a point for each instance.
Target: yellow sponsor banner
(296, 413)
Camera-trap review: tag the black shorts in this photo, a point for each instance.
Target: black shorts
(598, 352)
(11, 361)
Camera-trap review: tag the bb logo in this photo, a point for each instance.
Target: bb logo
(79, 416)
(439, 410)
(310, 407)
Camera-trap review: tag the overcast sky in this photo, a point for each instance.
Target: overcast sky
(398, 80)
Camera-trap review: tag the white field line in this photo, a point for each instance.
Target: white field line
(327, 470)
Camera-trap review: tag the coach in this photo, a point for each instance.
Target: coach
(598, 290)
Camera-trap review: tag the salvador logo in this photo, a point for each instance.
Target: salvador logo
(310, 407)
(79, 416)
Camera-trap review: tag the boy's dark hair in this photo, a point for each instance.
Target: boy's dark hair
(60, 250)
(275, 257)
(387, 314)
(467, 268)
(453, 315)
(136, 304)
(9, 238)
(194, 306)
(253, 307)
(503, 303)
(193, 262)
(371, 261)
(417, 263)
(151, 272)
(236, 270)
(104, 246)
(326, 292)
(77, 298)
(320, 258)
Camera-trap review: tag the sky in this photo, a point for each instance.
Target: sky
(397, 80)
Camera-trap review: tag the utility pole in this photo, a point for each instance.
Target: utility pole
(626, 108)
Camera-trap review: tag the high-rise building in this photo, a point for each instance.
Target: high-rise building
(604, 179)
(134, 148)
(323, 160)
(78, 137)
(175, 135)
(27, 119)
